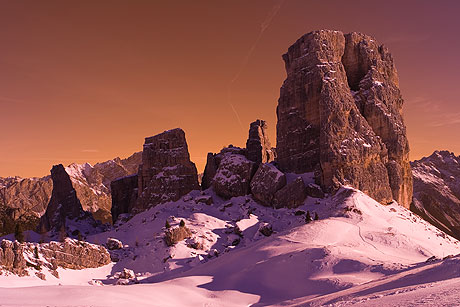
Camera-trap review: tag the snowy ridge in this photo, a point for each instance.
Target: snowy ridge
(356, 241)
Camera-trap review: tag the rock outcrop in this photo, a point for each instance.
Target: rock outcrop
(69, 254)
(437, 191)
(64, 204)
(76, 255)
(12, 257)
(166, 174)
(258, 150)
(340, 115)
(258, 146)
(233, 176)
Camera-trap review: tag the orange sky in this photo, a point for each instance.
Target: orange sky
(86, 81)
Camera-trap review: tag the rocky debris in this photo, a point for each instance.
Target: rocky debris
(113, 244)
(126, 277)
(71, 254)
(291, 195)
(340, 114)
(233, 176)
(258, 146)
(437, 191)
(314, 190)
(166, 172)
(124, 195)
(177, 234)
(204, 199)
(266, 182)
(64, 204)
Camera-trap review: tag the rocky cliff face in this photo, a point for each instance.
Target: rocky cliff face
(124, 195)
(259, 149)
(24, 200)
(340, 115)
(166, 174)
(63, 206)
(437, 191)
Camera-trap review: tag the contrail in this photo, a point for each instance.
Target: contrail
(263, 26)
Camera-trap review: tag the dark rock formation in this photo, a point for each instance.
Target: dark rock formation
(64, 204)
(233, 175)
(124, 195)
(291, 195)
(266, 182)
(340, 114)
(166, 174)
(437, 191)
(209, 171)
(258, 146)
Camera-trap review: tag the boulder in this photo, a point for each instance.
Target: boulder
(291, 195)
(177, 234)
(340, 114)
(314, 190)
(233, 176)
(266, 182)
(113, 244)
(204, 199)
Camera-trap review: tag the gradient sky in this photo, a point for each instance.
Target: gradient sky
(86, 81)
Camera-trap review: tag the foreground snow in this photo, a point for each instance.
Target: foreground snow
(359, 252)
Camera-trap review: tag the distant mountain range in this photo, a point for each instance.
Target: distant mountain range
(25, 199)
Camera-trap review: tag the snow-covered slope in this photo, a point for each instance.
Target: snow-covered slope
(356, 241)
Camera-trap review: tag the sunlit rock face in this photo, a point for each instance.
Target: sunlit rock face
(340, 115)
(437, 191)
